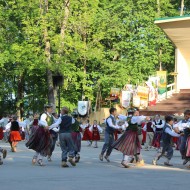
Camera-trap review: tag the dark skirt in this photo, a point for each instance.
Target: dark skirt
(188, 148)
(95, 135)
(40, 141)
(157, 139)
(76, 136)
(128, 143)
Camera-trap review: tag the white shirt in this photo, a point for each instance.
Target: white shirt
(99, 128)
(171, 132)
(4, 121)
(110, 123)
(21, 124)
(138, 119)
(159, 126)
(43, 118)
(181, 126)
(58, 122)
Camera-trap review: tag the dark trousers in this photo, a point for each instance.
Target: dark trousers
(166, 148)
(107, 147)
(67, 146)
(53, 142)
(183, 146)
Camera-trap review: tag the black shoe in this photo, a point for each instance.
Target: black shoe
(101, 157)
(185, 161)
(107, 158)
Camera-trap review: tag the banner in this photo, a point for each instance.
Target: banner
(143, 93)
(114, 93)
(162, 82)
(125, 98)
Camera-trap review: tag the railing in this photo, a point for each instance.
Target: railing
(170, 91)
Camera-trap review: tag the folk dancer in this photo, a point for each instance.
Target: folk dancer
(183, 127)
(129, 143)
(111, 126)
(87, 135)
(76, 136)
(149, 128)
(95, 130)
(14, 137)
(158, 129)
(166, 142)
(40, 139)
(66, 142)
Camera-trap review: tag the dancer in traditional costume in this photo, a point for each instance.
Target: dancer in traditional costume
(66, 142)
(95, 130)
(166, 142)
(76, 136)
(14, 128)
(87, 135)
(129, 143)
(183, 127)
(4, 153)
(158, 129)
(3, 122)
(40, 139)
(111, 126)
(149, 128)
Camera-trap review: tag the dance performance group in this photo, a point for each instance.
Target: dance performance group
(162, 135)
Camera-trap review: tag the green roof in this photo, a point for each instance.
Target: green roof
(175, 17)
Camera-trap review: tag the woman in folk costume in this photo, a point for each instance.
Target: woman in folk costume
(158, 129)
(14, 137)
(34, 123)
(129, 143)
(87, 135)
(95, 130)
(40, 140)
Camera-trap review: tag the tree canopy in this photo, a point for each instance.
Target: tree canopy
(93, 44)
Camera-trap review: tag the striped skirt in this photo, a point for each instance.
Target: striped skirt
(40, 141)
(188, 147)
(76, 136)
(128, 143)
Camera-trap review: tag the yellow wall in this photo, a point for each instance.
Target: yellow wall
(183, 70)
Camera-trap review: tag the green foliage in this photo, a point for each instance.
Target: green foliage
(107, 43)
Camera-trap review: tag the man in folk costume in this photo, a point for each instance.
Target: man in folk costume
(129, 143)
(111, 126)
(149, 128)
(40, 139)
(166, 142)
(158, 129)
(183, 127)
(76, 136)
(4, 153)
(96, 130)
(66, 142)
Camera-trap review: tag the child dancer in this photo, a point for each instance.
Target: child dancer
(96, 130)
(166, 141)
(87, 136)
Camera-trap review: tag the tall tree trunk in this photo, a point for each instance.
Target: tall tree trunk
(51, 96)
(20, 96)
(182, 8)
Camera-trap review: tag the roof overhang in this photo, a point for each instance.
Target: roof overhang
(178, 31)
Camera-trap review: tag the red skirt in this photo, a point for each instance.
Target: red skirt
(156, 139)
(95, 136)
(128, 143)
(87, 136)
(15, 136)
(1, 133)
(188, 148)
